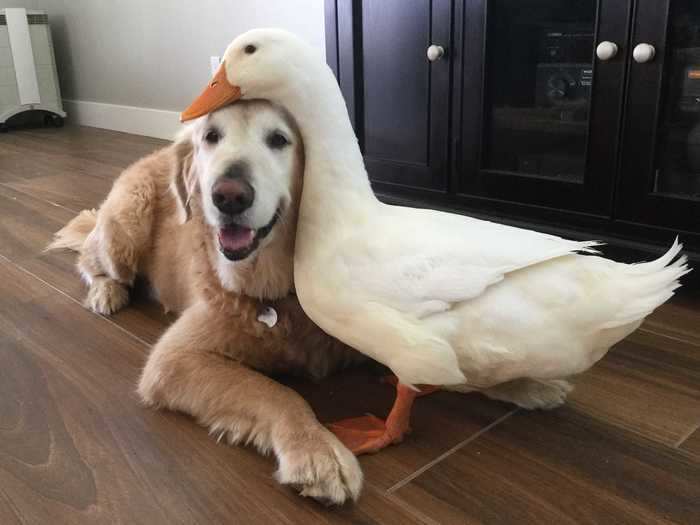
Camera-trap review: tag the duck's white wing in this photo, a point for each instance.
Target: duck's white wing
(447, 258)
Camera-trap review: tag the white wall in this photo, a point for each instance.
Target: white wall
(155, 53)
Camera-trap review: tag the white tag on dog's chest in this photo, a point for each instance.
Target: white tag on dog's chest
(268, 316)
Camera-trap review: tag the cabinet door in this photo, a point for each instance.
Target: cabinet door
(660, 182)
(399, 100)
(540, 112)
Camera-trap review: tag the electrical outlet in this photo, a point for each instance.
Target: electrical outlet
(214, 64)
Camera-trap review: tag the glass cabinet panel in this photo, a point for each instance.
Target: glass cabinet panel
(677, 163)
(539, 71)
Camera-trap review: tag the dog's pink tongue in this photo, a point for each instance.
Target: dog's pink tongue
(234, 238)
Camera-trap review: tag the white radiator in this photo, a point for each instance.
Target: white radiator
(28, 78)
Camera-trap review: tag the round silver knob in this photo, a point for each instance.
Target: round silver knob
(644, 53)
(606, 50)
(435, 52)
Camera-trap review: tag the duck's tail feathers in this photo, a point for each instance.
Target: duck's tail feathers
(73, 235)
(587, 247)
(651, 284)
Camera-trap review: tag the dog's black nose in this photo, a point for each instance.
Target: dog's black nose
(232, 196)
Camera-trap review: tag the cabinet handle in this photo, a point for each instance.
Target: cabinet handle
(435, 52)
(606, 50)
(644, 53)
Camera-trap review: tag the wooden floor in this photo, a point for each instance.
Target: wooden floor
(76, 446)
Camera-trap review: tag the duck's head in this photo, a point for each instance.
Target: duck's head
(262, 63)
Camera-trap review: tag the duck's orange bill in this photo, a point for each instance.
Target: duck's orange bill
(217, 94)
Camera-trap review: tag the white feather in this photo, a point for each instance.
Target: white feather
(440, 298)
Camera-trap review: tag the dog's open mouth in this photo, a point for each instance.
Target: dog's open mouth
(237, 242)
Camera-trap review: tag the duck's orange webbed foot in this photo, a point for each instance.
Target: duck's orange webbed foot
(364, 435)
(369, 434)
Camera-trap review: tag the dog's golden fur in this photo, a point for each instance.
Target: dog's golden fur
(209, 362)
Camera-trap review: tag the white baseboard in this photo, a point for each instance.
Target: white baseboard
(129, 119)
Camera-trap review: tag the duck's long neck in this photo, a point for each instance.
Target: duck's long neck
(335, 178)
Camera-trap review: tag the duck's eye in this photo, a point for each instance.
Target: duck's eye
(250, 49)
(277, 140)
(212, 136)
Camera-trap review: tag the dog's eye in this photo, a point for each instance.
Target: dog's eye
(250, 49)
(276, 140)
(212, 136)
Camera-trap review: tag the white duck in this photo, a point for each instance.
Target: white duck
(441, 299)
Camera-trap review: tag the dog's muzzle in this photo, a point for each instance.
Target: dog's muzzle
(237, 242)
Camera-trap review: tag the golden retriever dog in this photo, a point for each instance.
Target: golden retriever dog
(210, 222)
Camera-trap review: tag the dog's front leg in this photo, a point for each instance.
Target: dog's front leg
(186, 371)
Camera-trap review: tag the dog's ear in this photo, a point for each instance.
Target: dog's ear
(184, 177)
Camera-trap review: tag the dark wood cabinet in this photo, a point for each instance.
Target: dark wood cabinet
(580, 117)
(660, 169)
(401, 106)
(535, 128)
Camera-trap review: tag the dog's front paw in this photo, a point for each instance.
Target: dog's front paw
(106, 296)
(321, 467)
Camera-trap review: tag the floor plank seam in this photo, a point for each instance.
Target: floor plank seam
(448, 453)
(76, 301)
(602, 418)
(687, 435)
(679, 339)
(23, 192)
